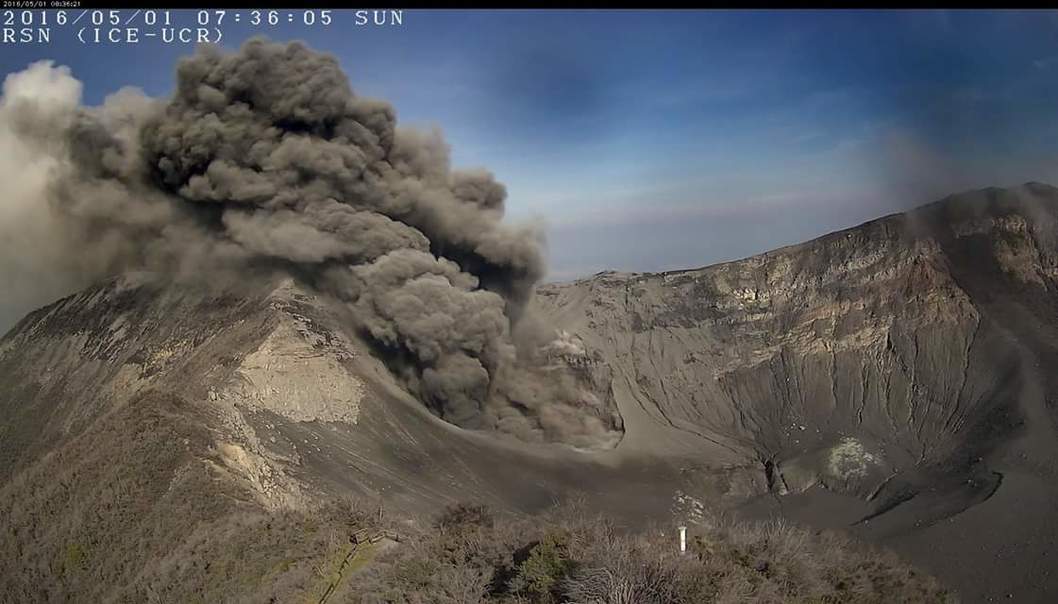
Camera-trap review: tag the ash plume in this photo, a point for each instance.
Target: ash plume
(263, 160)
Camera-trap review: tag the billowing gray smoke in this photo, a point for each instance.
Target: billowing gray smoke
(266, 159)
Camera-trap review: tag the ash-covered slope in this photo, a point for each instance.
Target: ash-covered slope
(864, 354)
(908, 361)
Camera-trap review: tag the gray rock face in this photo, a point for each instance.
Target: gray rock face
(856, 361)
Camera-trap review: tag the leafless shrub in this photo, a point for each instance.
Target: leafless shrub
(595, 562)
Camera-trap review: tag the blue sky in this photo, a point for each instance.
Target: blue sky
(651, 141)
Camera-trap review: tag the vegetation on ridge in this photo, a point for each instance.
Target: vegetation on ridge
(572, 555)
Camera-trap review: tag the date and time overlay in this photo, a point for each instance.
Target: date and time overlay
(44, 22)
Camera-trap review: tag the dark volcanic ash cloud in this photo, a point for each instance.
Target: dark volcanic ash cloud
(266, 158)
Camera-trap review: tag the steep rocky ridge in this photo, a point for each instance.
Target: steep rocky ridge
(846, 361)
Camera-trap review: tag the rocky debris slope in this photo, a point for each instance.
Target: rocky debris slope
(869, 361)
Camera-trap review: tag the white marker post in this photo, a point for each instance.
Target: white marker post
(683, 539)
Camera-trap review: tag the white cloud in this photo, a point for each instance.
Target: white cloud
(27, 227)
